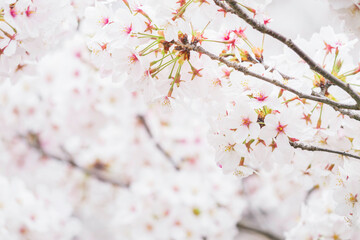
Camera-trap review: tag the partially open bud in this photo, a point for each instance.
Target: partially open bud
(281, 92)
(244, 55)
(338, 66)
(318, 80)
(258, 52)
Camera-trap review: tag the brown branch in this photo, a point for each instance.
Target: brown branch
(310, 192)
(224, 6)
(34, 142)
(158, 146)
(227, 9)
(320, 149)
(348, 113)
(283, 75)
(314, 96)
(236, 9)
(242, 226)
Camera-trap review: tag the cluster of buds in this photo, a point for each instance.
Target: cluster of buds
(174, 53)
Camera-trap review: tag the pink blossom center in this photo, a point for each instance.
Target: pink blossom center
(241, 33)
(103, 46)
(226, 37)
(352, 199)
(328, 48)
(128, 30)
(105, 20)
(29, 12)
(267, 21)
(261, 97)
(281, 128)
(273, 145)
(13, 12)
(217, 82)
(246, 122)
(133, 58)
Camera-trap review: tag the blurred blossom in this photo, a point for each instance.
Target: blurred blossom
(112, 127)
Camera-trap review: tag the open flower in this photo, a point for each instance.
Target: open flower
(243, 122)
(279, 126)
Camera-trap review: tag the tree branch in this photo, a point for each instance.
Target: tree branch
(283, 75)
(244, 70)
(348, 113)
(33, 141)
(236, 9)
(224, 6)
(158, 146)
(227, 9)
(309, 192)
(242, 226)
(320, 149)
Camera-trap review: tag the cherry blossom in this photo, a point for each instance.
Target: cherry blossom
(181, 119)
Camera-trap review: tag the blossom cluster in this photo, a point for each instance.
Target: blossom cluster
(68, 112)
(121, 105)
(349, 10)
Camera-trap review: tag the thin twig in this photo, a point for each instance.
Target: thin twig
(34, 142)
(157, 144)
(266, 79)
(236, 9)
(242, 226)
(310, 192)
(320, 149)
